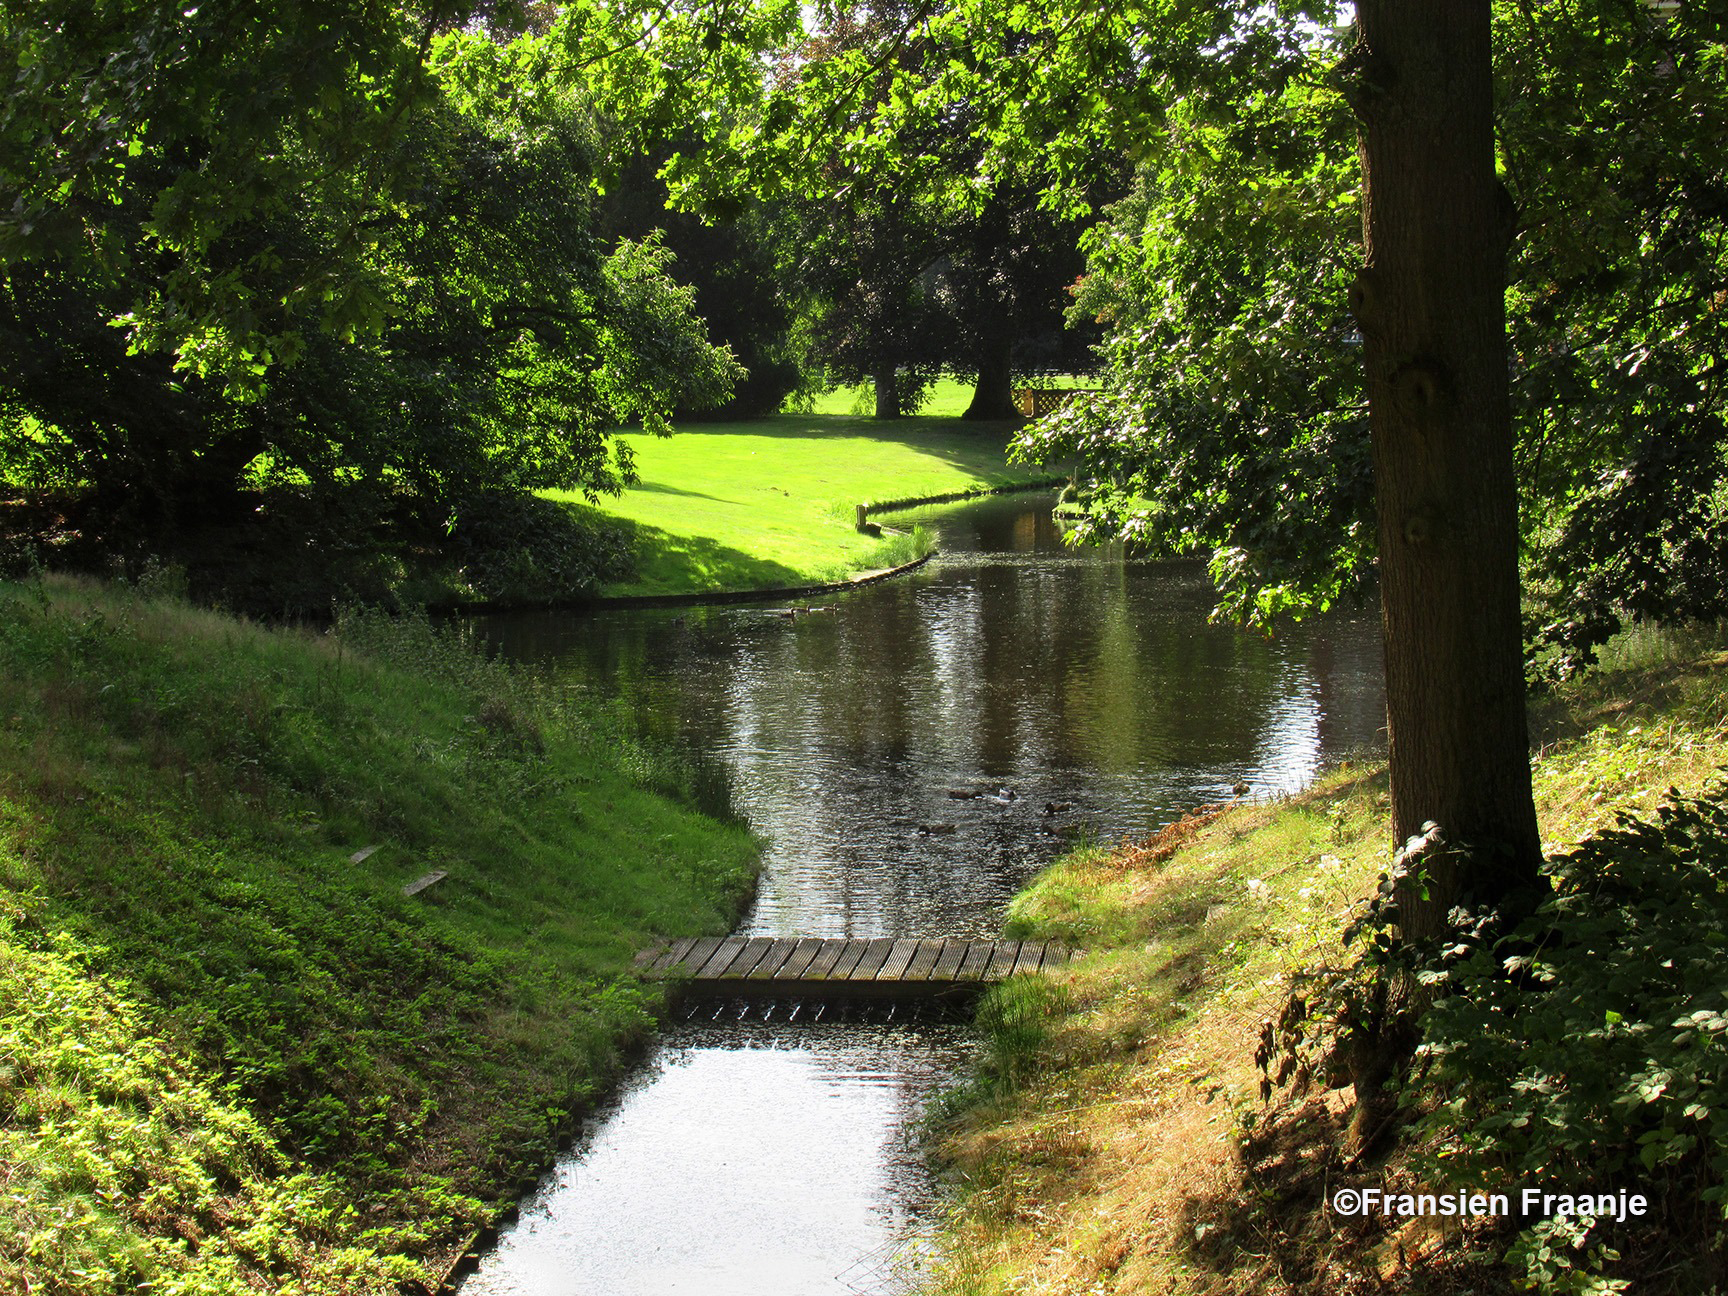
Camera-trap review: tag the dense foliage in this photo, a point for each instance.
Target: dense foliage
(1617, 322)
(1603, 1059)
(734, 264)
(1234, 418)
(1232, 421)
(334, 248)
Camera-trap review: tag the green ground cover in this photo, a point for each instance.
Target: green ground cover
(769, 503)
(234, 1056)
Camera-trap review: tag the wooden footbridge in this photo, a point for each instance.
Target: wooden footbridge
(814, 968)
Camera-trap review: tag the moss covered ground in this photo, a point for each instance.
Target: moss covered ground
(234, 1056)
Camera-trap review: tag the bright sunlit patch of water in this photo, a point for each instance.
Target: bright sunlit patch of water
(745, 1160)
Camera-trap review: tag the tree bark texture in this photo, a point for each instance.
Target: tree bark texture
(1431, 305)
(994, 396)
(887, 383)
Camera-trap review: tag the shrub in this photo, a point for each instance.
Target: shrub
(1591, 1046)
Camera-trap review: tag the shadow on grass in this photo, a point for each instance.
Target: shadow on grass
(1273, 1230)
(954, 441)
(660, 488)
(686, 564)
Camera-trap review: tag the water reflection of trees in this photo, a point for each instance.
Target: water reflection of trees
(1081, 678)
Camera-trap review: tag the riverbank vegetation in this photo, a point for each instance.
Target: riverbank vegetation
(234, 1054)
(1115, 1138)
(773, 502)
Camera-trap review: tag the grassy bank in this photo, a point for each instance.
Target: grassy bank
(1114, 1138)
(234, 1056)
(771, 503)
(720, 506)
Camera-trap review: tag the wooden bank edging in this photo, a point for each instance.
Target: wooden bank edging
(955, 497)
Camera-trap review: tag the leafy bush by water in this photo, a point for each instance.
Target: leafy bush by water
(523, 547)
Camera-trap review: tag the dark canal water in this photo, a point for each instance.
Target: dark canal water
(1081, 691)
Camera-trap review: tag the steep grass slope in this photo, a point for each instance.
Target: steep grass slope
(234, 1056)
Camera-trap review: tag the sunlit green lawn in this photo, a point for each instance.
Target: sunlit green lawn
(948, 398)
(771, 502)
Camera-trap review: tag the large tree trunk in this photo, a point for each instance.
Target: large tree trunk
(1431, 305)
(993, 398)
(887, 382)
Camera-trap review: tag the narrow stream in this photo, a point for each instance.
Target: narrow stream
(915, 751)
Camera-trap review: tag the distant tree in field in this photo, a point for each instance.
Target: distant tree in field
(913, 253)
(733, 262)
(865, 268)
(1008, 270)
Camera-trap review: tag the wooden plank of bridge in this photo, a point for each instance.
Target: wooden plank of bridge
(948, 962)
(757, 951)
(871, 960)
(723, 954)
(771, 960)
(1031, 957)
(1001, 962)
(828, 958)
(798, 962)
(687, 963)
(977, 958)
(894, 966)
(856, 949)
(665, 955)
(734, 958)
(661, 956)
(924, 961)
